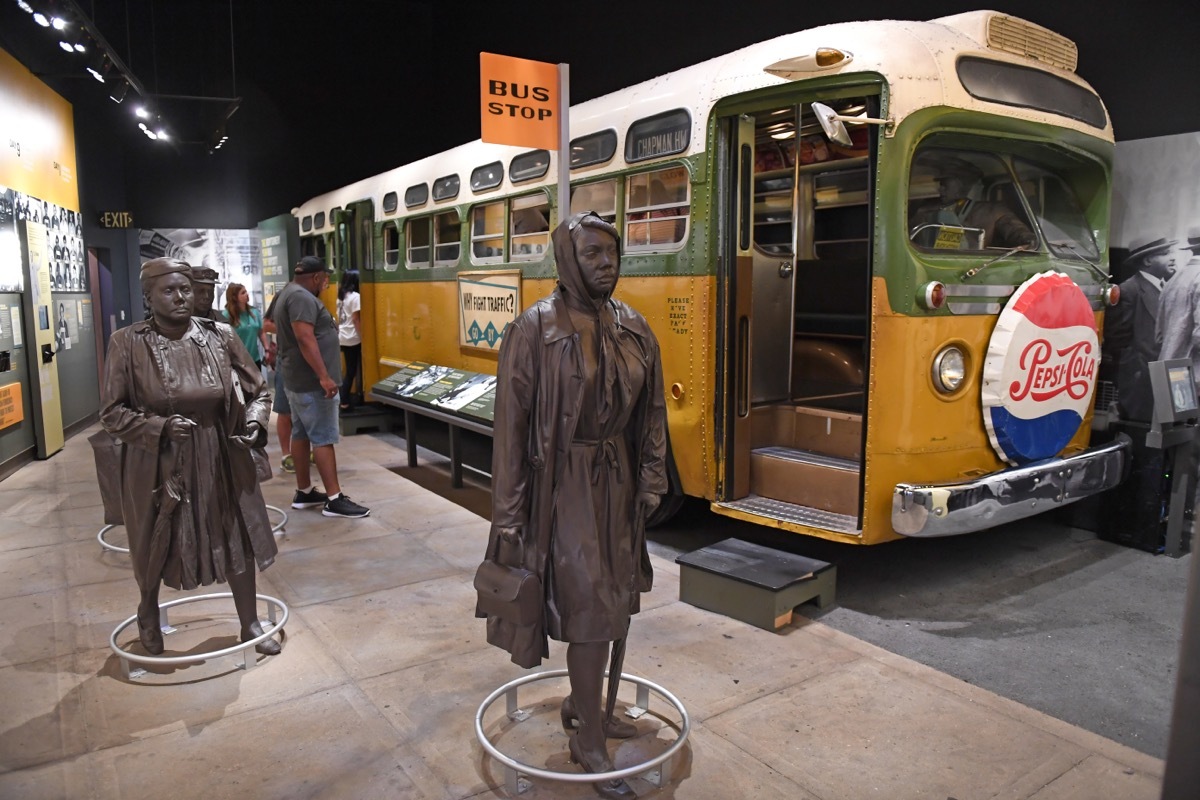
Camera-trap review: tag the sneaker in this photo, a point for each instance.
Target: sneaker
(310, 499)
(288, 465)
(343, 506)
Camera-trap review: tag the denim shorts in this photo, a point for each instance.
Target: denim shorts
(314, 417)
(280, 404)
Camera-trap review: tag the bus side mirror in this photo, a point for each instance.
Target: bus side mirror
(833, 124)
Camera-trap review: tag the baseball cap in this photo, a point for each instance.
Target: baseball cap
(310, 265)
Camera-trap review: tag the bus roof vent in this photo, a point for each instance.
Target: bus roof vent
(1023, 38)
(1015, 35)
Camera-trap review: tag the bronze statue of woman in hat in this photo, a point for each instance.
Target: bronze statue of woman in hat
(188, 402)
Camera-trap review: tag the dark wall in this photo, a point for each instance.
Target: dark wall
(161, 185)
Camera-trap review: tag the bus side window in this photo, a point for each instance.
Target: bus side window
(391, 247)
(530, 226)
(418, 243)
(656, 210)
(600, 197)
(447, 236)
(487, 233)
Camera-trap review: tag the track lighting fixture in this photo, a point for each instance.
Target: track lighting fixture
(98, 66)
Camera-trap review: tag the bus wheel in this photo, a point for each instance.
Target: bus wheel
(672, 501)
(669, 507)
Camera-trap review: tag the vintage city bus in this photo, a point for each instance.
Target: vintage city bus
(823, 230)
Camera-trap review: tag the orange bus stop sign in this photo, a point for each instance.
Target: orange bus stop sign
(518, 101)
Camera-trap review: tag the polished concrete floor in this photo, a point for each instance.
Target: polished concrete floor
(384, 667)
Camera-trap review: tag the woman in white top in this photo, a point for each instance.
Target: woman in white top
(350, 333)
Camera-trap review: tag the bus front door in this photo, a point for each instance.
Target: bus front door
(804, 372)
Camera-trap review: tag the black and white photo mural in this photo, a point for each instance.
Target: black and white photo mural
(64, 242)
(1154, 259)
(235, 254)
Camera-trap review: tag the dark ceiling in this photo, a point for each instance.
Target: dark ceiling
(336, 91)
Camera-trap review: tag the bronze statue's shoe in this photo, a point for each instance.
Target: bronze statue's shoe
(151, 639)
(267, 647)
(616, 789)
(150, 631)
(613, 727)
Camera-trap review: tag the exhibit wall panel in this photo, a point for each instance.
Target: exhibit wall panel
(75, 348)
(37, 137)
(39, 186)
(16, 437)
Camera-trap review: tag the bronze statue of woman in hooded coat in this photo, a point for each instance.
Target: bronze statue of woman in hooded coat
(188, 402)
(578, 464)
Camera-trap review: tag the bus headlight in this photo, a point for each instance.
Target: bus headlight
(949, 369)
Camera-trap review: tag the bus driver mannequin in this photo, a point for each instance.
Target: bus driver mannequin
(954, 206)
(578, 466)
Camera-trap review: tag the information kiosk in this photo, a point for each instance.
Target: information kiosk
(1173, 430)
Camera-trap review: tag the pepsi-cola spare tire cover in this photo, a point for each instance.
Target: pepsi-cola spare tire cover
(1040, 370)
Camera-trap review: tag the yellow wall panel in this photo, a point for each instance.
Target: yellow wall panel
(37, 137)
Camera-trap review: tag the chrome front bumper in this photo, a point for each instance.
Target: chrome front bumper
(947, 509)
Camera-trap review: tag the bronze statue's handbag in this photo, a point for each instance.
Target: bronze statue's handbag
(514, 594)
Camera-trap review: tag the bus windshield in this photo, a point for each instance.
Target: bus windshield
(1058, 212)
(980, 200)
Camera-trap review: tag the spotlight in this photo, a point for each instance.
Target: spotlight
(142, 113)
(58, 23)
(98, 66)
(151, 134)
(21, 4)
(67, 46)
(217, 138)
(40, 19)
(80, 48)
(142, 126)
(160, 134)
(119, 89)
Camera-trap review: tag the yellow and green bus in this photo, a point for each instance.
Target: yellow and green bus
(824, 321)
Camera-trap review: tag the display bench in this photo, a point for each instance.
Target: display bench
(461, 399)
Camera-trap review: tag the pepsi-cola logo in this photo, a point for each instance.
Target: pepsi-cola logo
(1040, 370)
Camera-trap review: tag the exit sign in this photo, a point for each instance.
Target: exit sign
(116, 219)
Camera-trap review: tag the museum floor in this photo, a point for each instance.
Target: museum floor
(384, 667)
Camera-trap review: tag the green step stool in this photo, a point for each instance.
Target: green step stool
(753, 583)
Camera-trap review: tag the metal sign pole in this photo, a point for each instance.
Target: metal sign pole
(564, 142)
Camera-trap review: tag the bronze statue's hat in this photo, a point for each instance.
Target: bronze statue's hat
(164, 266)
(1145, 246)
(204, 275)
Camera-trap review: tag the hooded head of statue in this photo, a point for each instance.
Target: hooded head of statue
(588, 253)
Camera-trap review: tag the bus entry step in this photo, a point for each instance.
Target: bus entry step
(753, 583)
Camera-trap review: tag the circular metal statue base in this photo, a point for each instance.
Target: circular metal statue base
(282, 522)
(657, 770)
(275, 608)
(109, 545)
(118, 549)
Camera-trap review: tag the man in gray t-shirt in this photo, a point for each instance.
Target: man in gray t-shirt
(310, 360)
(298, 303)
